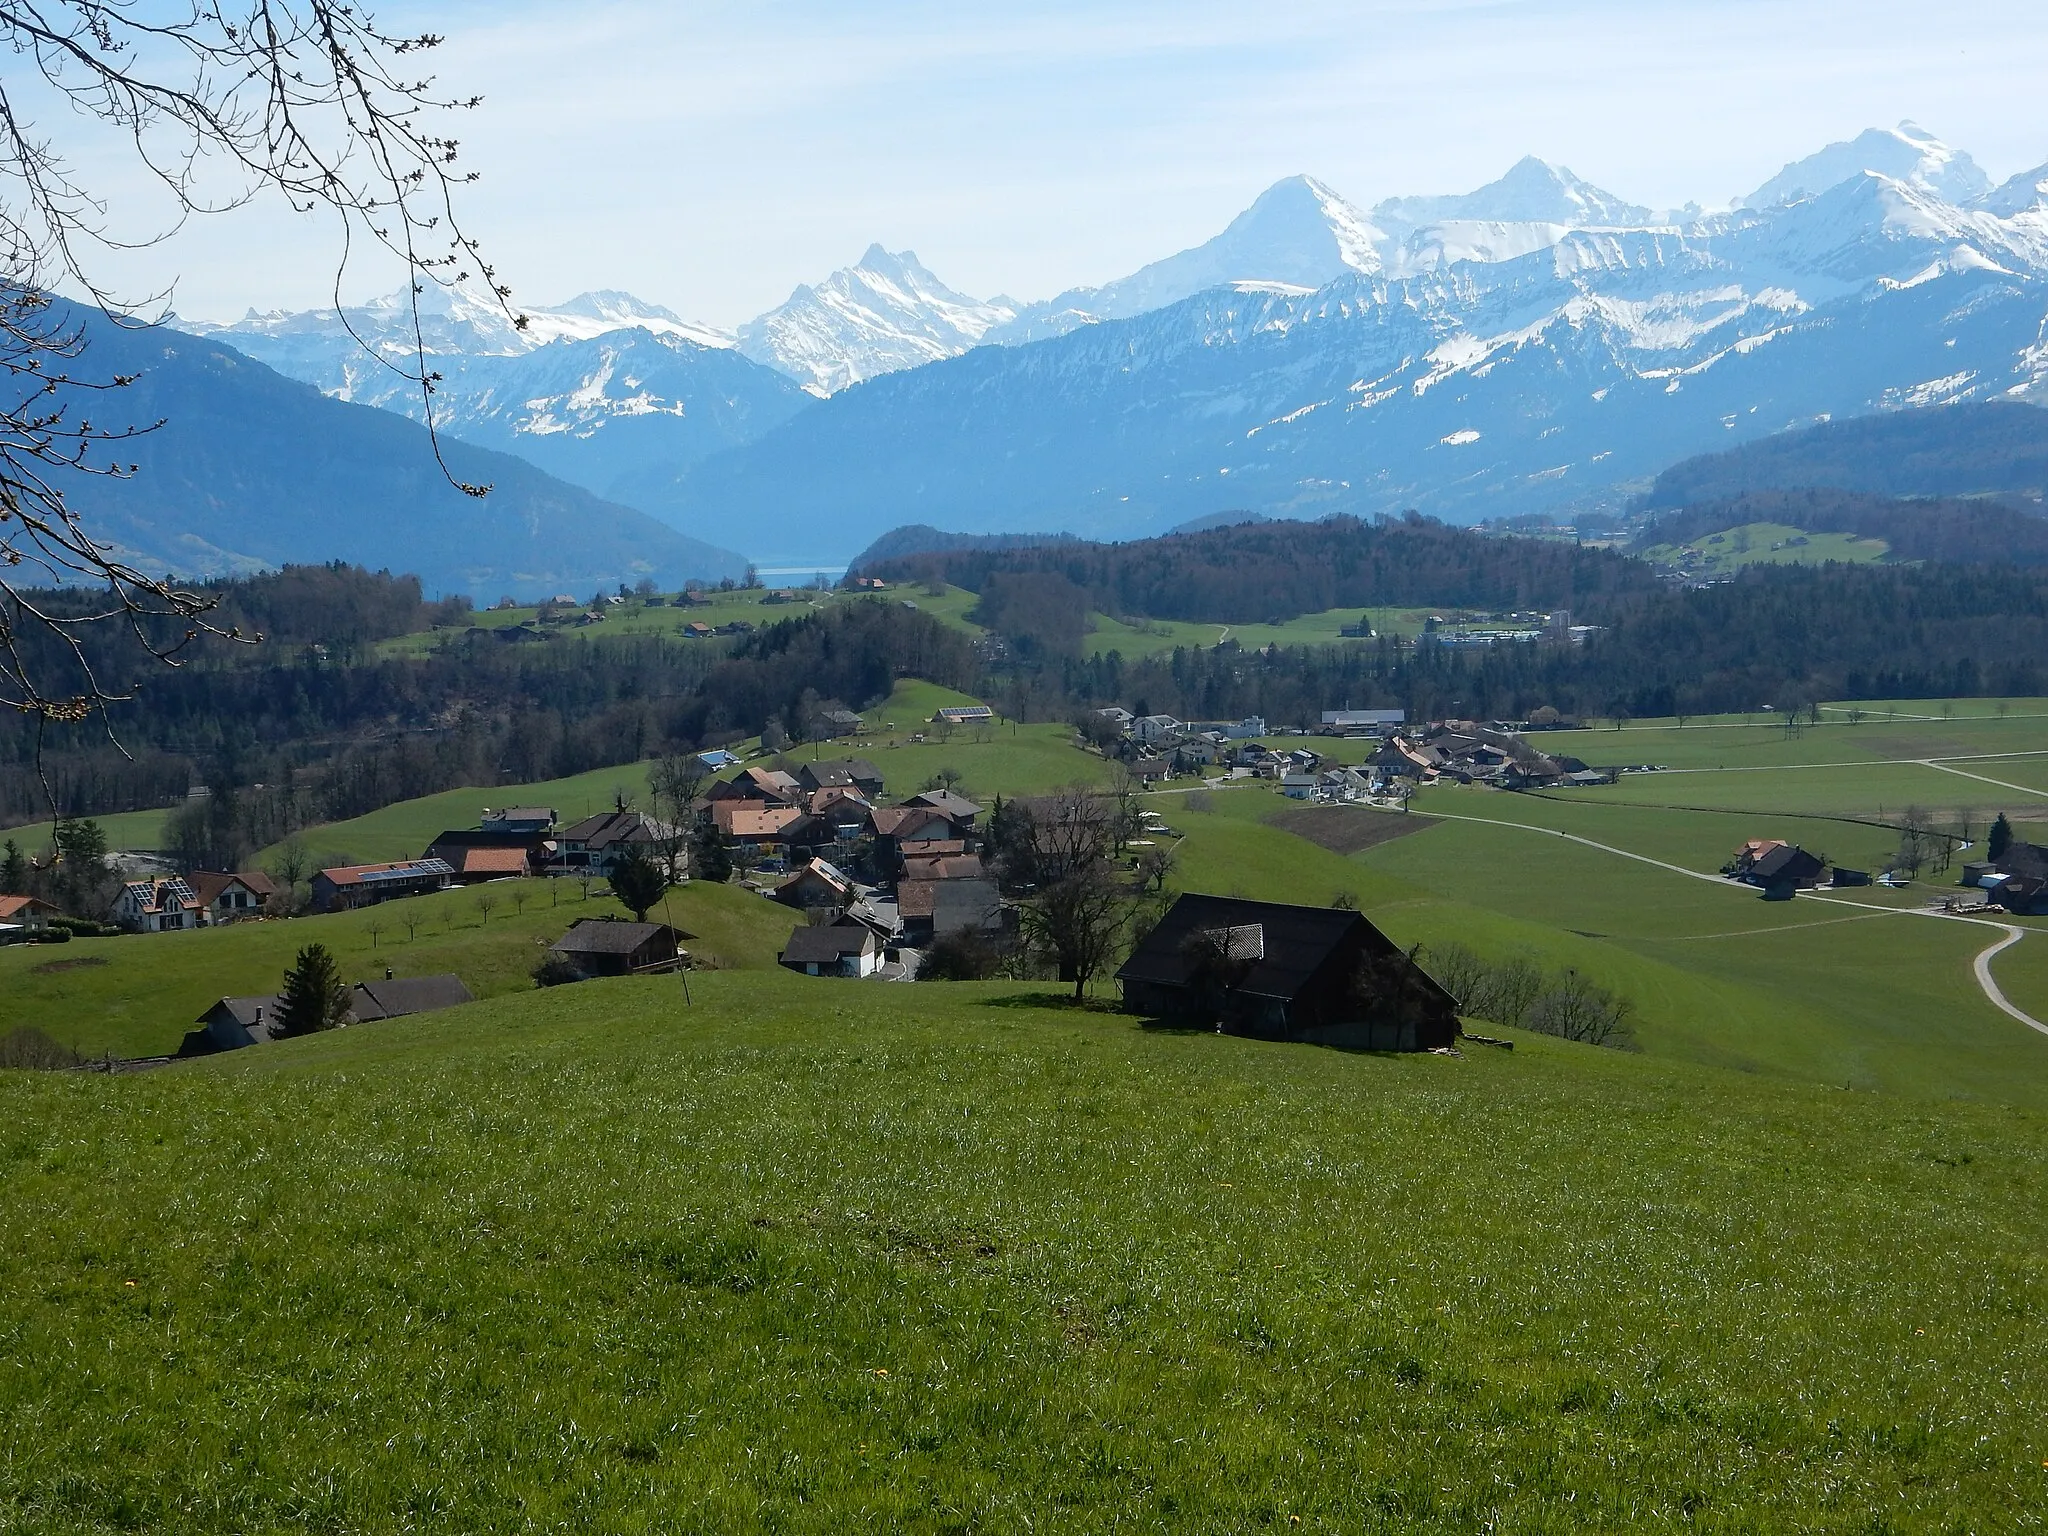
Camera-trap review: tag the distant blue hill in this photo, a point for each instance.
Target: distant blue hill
(253, 470)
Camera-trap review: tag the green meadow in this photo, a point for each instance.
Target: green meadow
(806, 1257)
(1732, 549)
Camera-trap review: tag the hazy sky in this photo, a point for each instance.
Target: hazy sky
(710, 157)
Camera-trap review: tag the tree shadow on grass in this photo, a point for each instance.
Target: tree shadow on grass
(1063, 1001)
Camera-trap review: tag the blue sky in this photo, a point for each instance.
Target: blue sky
(710, 157)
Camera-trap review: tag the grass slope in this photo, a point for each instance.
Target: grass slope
(1731, 549)
(824, 1257)
(138, 995)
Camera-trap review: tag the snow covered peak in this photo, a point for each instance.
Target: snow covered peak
(2025, 191)
(886, 312)
(1297, 233)
(594, 314)
(1532, 192)
(1907, 153)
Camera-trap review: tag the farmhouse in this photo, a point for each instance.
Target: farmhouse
(1280, 972)
(851, 950)
(21, 916)
(964, 714)
(601, 842)
(817, 884)
(228, 898)
(1775, 864)
(600, 946)
(849, 773)
(363, 885)
(236, 1022)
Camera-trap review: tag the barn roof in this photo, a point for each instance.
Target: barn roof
(599, 936)
(1290, 945)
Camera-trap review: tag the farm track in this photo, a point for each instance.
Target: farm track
(1980, 965)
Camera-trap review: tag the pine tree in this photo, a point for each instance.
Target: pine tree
(2001, 837)
(13, 871)
(314, 996)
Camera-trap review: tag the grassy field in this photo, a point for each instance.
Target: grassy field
(1730, 550)
(124, 829)
(821, 1257)
(138, 995)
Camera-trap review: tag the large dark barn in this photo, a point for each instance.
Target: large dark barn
(1279, 972)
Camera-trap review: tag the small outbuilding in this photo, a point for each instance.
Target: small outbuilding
(1322, 975)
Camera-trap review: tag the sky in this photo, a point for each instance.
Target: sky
(710, 157)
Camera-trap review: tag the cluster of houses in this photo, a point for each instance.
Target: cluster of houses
(873, 880)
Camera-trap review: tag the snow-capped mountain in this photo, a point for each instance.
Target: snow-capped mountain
(1560, 379)
(1907, 153)
(883, 313)
(1298, 233)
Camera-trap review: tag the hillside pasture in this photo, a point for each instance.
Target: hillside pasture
(814, 1257)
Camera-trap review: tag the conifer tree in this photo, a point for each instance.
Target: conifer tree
(2001, 837)
(314, 996)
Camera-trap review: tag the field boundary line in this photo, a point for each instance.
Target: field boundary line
(1981, 779)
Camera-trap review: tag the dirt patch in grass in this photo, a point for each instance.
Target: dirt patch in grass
(52, 967)
(1348, 828)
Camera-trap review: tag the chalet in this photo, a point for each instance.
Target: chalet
(599, 946)
(363, 885)
(598, 844)
(817, 884)
(833, 950)
(161, 905)
(228, 898)
(697, 629)
(235, 1022)
(957, 809)
(1278, 972)
(899, 827)
(853, 772)
(24, 916)
(964, 714)
(846, 811)
(1772, 863)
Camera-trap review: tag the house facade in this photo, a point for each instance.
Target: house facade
(163, 905)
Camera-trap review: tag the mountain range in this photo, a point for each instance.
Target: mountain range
(251, 470)
(1538, 344)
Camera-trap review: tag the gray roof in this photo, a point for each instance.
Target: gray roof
(824, 945)
(399, 996)
(600, 936)
(1293, 942)
(944, 801)
(958, 904)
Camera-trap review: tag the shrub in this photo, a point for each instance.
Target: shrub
(557, 970)
(29, 1049)
(962, 956)
(1520, 994)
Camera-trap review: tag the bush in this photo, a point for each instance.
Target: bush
(962, 956)
(54, 935)
(1520, 994)
(29, 1049)
(556, 970)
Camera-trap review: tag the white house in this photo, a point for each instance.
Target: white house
(1152, 729)
(162, 905)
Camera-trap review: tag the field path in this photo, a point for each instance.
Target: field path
(1980, 966)
(1928, 762)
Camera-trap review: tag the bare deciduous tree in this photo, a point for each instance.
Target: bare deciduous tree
(218, 103)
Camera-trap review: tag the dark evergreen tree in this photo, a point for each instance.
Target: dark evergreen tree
(2000, 838)
(710, 858)
(14, 871)
(314, 996)
(639, 883)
